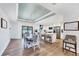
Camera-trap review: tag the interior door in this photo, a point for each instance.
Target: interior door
(57, 31)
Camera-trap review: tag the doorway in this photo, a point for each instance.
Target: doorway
(27, 29)
(57, 31)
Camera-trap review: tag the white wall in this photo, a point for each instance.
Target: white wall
(16, 28)
(56, 20)
(4, 33)
(10, 9)
(13, 29)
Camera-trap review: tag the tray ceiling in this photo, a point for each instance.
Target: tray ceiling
(31, 11)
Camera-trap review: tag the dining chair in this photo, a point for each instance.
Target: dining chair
(36, 41)
(27, 40)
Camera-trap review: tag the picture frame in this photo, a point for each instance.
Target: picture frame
(3, 23)
(71, 26)
(41, 27)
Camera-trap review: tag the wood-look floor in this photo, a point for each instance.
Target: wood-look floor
(47, 49)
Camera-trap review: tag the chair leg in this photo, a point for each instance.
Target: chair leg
(75, 53)
(39, 46)
(24, 46)
(63, 46)
(34, 48)
(75, 50)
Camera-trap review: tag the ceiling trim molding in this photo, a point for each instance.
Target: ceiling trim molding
(30, 21)
(46, 16)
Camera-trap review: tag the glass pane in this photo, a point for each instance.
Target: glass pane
(27, 29)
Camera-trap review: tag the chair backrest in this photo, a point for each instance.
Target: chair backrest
(25, 34)
(36, 37)
(70, 37)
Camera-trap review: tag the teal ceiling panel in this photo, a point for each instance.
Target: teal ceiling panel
(31, 11)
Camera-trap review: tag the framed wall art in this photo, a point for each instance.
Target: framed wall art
(3, 23)
(71, 26)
